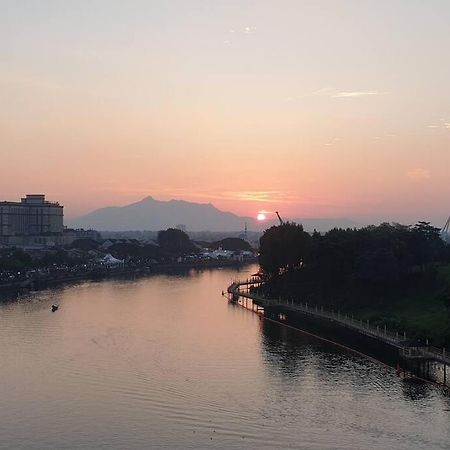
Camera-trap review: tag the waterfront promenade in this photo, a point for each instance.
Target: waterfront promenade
(399, 340)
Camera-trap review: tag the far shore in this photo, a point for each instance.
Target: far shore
(44, 281)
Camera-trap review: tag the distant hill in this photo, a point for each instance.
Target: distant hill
(151, 214)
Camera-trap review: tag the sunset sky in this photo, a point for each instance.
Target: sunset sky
(314, 108)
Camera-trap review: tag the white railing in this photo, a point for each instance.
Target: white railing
(349, 321)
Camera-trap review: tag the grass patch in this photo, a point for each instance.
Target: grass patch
(420, 314)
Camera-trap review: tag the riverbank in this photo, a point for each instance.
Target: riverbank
(390, 347)
(422, 314)
(40, 281)
(393, 275)
(419, 309)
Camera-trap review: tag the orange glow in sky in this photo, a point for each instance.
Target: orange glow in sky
(261, 216)
(303, 108)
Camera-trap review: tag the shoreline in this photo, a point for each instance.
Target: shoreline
(43, 281)
(385, 347)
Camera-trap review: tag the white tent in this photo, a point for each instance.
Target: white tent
(109, 260)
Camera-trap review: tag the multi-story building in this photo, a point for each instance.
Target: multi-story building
(32, 216)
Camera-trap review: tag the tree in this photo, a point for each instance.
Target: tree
(123, 250)
(175, 241)
(353, 265)
(85, 244)
(16, 260)
(427, 244)
(232, 244)
(284, 248)
(377, 266)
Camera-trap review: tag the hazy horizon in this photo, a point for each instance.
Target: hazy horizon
(318, 109)
(270, 216)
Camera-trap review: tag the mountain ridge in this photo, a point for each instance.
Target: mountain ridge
(151, 214)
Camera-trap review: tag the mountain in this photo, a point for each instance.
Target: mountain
(151, 214)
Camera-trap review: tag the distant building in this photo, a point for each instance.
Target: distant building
(33, 215)
(33, 221)
(70, 235)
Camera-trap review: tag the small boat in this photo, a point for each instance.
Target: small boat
(55, 308)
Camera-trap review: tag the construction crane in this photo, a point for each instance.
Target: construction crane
(282, 223)
(444, 231)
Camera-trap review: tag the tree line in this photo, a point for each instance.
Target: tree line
(351, 266)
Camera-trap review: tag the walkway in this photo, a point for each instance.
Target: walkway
(363, 327)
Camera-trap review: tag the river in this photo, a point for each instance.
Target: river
(165, 362)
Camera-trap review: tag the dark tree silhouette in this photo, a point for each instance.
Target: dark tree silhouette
(354, 265)
(284, 248)
(232, 244)
(175, 241)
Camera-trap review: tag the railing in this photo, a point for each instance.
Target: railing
(428, 352)
(362, 326)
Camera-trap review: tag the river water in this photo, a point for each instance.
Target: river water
(165, 362)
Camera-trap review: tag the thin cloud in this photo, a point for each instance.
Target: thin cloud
(419, 174)
(347, 94)
(331, 92)
(442, 123)
(237, 33)
(246, 30)
(333, 141)
(326, 91)
(260, 196)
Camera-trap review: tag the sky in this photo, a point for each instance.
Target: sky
(312, 108)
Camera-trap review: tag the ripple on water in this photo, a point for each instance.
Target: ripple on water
(164, 363)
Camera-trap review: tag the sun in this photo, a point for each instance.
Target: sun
(261, 216)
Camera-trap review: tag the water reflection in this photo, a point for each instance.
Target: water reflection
(165, 362)
(417, 390)
(288, 352)
(284, 351)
